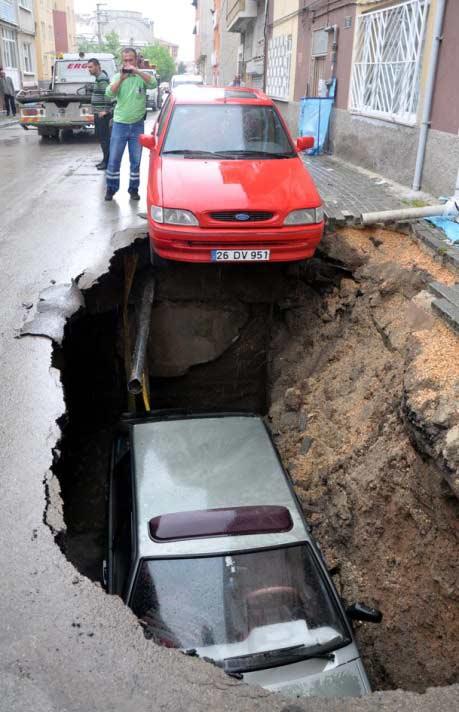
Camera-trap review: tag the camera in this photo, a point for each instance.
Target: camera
(126, 71)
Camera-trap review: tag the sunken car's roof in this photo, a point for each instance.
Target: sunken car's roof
(203, 463)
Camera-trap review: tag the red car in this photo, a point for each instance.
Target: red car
(226, 183)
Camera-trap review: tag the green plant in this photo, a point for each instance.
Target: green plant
(160, 57)
(415, 203)
(442, 250)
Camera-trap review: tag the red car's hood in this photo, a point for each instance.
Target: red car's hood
(278, 185)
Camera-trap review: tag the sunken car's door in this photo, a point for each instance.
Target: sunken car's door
(120, 519)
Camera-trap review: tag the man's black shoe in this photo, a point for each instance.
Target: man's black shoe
(101, 166)
(134, 195)
(109, 195)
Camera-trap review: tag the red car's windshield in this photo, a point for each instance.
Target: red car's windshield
(228, 130)
(239, 604)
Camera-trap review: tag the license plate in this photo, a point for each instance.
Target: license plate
(240, 255)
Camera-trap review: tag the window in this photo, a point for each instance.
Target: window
(26, 4)
(388, 50)
(27, 54)
(240, 605)
(278, 69)
(9, 48)
(319, 43)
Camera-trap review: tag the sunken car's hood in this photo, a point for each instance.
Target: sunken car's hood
(202, 185)
(347, 680)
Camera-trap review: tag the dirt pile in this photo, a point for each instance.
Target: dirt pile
(358, 378)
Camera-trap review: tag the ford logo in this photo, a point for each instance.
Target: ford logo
(242, 216)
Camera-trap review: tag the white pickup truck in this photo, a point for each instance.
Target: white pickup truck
(66, 105)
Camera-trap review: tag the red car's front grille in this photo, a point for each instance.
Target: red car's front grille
(241, 216)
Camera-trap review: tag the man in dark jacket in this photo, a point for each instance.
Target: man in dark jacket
(102, 109)
(7, 93)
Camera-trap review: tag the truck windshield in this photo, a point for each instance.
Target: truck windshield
(238, 131)
(239, 605)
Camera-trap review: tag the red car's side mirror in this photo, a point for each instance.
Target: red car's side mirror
(147, 141)
(304, 142)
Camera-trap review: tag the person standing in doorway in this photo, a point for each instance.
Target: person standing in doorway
(7, 93)
(102, 109)
(128, 87)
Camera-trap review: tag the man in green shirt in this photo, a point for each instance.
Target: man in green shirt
(128, 87)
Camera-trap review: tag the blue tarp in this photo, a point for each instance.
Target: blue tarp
(314, 120)
(449, 227)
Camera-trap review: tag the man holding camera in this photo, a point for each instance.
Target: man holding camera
(128, 87)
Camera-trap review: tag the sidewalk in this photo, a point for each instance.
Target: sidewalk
(7, 120)
(348, 191)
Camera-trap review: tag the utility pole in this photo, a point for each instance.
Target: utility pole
(99, 20)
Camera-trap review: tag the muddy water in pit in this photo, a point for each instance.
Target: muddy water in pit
(321, 348)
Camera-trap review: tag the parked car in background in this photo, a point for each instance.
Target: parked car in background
(179, 79)
(226, 181)
(152, 94)
(209, 547)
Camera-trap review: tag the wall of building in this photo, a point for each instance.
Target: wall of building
(26, 45)
(310, 22)
(9, 52)
(47, 25)
(389, 147)
(229, 48)
(285, 24)
(445, 109)
(204, 40)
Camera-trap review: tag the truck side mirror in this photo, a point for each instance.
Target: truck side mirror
(147, 141)
(361, 612)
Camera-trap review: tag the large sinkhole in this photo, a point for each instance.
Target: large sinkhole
(307, 347)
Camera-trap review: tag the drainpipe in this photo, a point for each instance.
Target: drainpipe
(427, 108)
(265, 48)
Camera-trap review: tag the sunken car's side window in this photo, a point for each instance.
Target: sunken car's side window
(122, 523)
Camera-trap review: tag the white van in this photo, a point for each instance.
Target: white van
(209, 547)
(179, 79)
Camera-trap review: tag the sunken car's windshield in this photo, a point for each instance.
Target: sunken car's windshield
(232, 130)
(245, 604)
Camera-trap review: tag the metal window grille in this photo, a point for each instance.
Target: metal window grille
(387, 60)
(278, 69)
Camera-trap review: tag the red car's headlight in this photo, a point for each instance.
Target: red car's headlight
(307, 216)
(173, 216)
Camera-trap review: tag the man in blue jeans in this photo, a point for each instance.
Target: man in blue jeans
(128, 87)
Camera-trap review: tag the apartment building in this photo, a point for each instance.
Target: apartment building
(17, 42)
(55, 33)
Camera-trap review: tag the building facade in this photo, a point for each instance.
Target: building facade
(17, 42)
(55, 33)
(204, 40)
(380, 53)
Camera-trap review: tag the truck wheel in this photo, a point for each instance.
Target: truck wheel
(48, 133)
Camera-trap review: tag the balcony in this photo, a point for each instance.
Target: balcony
(239, 14)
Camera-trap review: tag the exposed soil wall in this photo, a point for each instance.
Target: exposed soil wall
(346, 375)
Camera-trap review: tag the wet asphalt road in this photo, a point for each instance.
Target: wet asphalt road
(64, 645)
